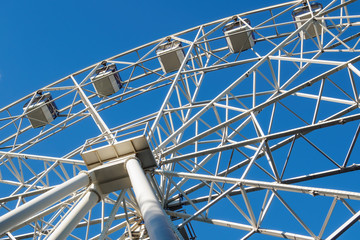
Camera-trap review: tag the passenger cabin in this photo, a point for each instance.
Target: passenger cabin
(304, 13)
(41, 110)
(238, 35)
(107, 80)
(171, 55)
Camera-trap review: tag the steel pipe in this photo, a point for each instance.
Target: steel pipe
(155, 219)
(19, 215)
(344, 227)
(91, 198)
(266, 185)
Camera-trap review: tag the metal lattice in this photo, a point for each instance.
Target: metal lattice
(259, 137)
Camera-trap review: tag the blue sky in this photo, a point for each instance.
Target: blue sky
(42, 41)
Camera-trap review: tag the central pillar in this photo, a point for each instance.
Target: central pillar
(156, 221)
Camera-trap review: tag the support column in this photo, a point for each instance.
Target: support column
(67, 225)
(156, 221)
(19, 215)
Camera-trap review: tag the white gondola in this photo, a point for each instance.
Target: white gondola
(238, 35)
(107, 80)
(41, 110)
(304, 13)
(171, 55)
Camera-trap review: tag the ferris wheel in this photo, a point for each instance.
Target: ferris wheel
(248, 124)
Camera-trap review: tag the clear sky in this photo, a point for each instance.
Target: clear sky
(43, 41)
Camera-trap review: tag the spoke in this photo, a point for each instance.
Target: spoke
(232, 115)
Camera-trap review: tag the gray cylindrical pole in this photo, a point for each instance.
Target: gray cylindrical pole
(62, 231)
(17, 216)
(156, 221)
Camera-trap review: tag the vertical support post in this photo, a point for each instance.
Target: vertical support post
(156, 221)
(91, 198)
(19, 215)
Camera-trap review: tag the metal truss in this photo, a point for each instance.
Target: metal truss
(263, 141)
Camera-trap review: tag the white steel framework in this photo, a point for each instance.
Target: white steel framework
(263, 141)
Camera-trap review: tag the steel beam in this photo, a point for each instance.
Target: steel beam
(156, 221)
(328, 173)
(235, 225)
(268, 137)
(41, 158)
(266, 185)
(94, 114)
(344, 227)
(91, 198)
(19, 215)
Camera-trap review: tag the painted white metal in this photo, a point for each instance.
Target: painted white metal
(172, 87)
(39, 115)
(111, 217)
(217, 135)
(344, 227)
(41, 158)
(105, 83)
(171, 56)
(232, 85)
(138, 145)
(29, 209)
(154, 216)
(68, 224)
(312, 30)
(245, 227)
(94, 114)
(268, 137)
(267, 185)
(239, 39)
